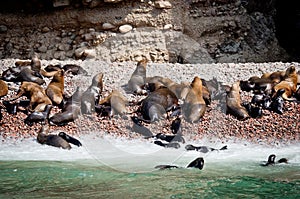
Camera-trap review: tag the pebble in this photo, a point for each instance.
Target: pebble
(125, 28)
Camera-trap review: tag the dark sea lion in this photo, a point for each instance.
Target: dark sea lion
(11, 74)
(70, 139)
(233, 103)
(166, 166)
(138, 78)
(29, 75)
(74, 69)
(55, 88)
(247, 85)
(175, 145)
(197, 163)
(3, 88)
(38, 116)
(157, 103)
(37, 95)
(70, 111)
(261, 100)
(203, 149)
(277, 104)
(289, 83)
(92, 94)
(253, 110)
(297, 94)
(117, 102)
(138, 127)
(11, 108)
(44, 137)
(51, 68)
(271, 160)
(176, 126)
(194, 106)
(170, 138)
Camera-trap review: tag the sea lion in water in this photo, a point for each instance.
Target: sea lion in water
(203, 149)
(55, 88)
(138, 78)
(92, 94)
(174, 145)
(44, 137)
(194, 106)
(3, 88)
(289, 83)
(38, 98)
(38, 116)
(197, 163)
(233, 102)
(271, 160)
(70, 111)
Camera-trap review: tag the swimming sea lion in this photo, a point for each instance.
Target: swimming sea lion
(38, 116)
(271, 160)
(92, 94)
(3, 88)
(70, 111)
(55, 88)
(233, 102)
(289, 83)
(203, 149)
(38, 98)
(44, 137)
(138, 78)
(194, 106)
(197, 163)
(70, 139)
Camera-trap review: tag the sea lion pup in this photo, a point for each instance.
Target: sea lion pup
(3, 88)
(117, 102)
(44, 137)
(70, 139)
(38, 116)
(70, 111)
(138, 78)
(197, 163)
(55, 88)
(194, 106)
(158, 103)
(233, 103)
(92, 94)
(289, 83)
(271, 160)
(203, 149)
(38, 98)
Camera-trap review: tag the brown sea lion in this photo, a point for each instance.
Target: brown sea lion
(233, 102)
(194, 106)
(3, 88)
(274, 77)
(289, 83)
(92, 94)
(37, 95)
(70, 111)
(117, 102)
(44, 137)
(55, 88)
(138, 78)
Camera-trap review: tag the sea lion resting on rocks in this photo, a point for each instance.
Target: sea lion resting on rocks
(92, 94)
(70, 111)
(197, 163)
(61, 140)
(289, 83)
(55, 88)
(233, 102)
(38, 116)
(138, 78)
(194, 106)
(38, 98)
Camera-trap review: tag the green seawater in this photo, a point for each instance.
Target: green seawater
(90, 179)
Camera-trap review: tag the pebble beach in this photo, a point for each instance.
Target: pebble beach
(271, 129)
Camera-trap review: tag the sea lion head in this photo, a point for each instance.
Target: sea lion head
(196, 83)
(98, 81)
(35, 63)
(271, 159)
(290, 70)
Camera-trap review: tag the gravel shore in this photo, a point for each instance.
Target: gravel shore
(270, 129)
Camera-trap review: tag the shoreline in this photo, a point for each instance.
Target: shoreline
(271, 129)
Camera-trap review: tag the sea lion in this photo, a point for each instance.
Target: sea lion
(205, 92)
(38, 116)
(29, 75)
(277, 104)
(233, 103)
(174, 145)
(176, 126)
(70, 111)
(117, 102)
(194, 106)
(69, 139)
(38, 98)
(55, 88)
(261, 100)
(158, 103)
(138, 78)
(289, 83)
(169, 138)
(271, 160)
(3, 88)
(203, 149)
(44, 137)
(74, 69)
(138, 127)
(92, 94)
(253, 110)
(197, 163)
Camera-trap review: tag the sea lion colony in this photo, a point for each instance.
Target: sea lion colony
(163, 100)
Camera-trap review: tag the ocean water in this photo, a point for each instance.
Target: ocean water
(117, 168)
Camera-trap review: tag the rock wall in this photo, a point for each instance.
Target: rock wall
(191, 31)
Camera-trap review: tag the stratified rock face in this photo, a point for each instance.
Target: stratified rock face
(193, 31)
